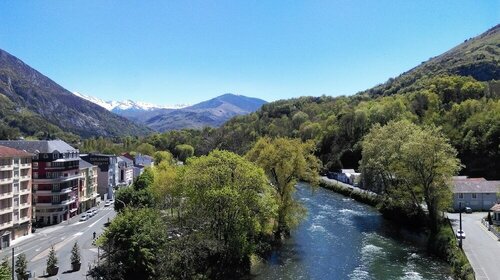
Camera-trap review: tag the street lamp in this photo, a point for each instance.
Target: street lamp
(119, 200)
(460, 237)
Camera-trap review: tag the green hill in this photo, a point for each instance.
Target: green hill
(457, 91)
(36, 106)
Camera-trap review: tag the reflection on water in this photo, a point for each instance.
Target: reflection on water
(344, 239)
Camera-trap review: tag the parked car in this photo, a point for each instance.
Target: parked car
(84, 217)
(90, 213)
(468, 210)
(107, 203)
(94, 211)
(460, 234)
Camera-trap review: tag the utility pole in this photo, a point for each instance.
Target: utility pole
(460, 232)
(13, 263)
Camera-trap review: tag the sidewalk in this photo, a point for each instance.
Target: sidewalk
(481, 247)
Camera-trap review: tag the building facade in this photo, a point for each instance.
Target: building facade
(107, 173)
(15, 195)
(87, 189)
(476, 193)
(55, 179)
(126, 171)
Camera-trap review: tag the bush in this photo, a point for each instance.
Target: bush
(75, 253)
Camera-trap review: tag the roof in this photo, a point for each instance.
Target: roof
(39, 146)
(475, 185)
(84, 164)
(10, 152)
(496, 208)
(126, 159)
(348, 171)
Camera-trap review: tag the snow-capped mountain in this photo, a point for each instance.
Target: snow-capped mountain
(213, 112)
(127, 105)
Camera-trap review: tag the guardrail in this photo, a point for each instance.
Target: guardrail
(491, 228)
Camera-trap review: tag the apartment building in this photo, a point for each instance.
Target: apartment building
(87, 190)
(15, 195)
(126, 167)
(107, 173)
(55, 178)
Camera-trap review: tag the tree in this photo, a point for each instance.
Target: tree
(231, 204)
(286, 161)
(410, 165)
(184, 151)
(5, 269)
(21, 265)
(52, 261)
(163, 156)
(145, 180)
(146, 149)
(75, 253)
(134, 244)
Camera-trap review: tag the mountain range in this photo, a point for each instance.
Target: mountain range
(213, 112)
(34, 105)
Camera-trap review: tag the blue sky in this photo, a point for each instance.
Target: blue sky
(171, 52)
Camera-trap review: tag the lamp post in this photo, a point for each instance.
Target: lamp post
(460, 232)
(119, 200)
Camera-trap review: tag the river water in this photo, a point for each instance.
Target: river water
(344, 239)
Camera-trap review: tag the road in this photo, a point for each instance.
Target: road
(62, 237)
(481, 246)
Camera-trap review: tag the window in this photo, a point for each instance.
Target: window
(474, 195)
(461, 195)
(55, 199)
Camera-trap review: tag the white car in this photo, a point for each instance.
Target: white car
(94, 211)
(84, 217)
(107, 203)
(460, 234)
(90, 213)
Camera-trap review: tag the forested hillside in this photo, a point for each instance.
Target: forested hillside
(441, 92)
(41, 103)
(458, 91)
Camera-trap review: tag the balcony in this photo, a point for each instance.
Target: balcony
(55, 204)
(6, 195)
(24, 220)
(61, 191)
(24, 191)
(25, 165)
(6, 210)
(24, 178)
(6, 180)
(57, 179)
(6, 167)
(5, 225)
(24, 205)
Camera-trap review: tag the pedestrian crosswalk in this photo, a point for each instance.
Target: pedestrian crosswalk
(108, 208)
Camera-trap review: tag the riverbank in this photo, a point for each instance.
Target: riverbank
(355, 193)
(444, 244)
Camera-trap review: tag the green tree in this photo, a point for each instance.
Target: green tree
(230, 201)
(75, 253)
(286, 161)
(21, 264)
(134, 244)
(52, 259)
(144, 180)
(163, 156)
(5, 269)
(410, 165)
(146, 149)
(184, 151)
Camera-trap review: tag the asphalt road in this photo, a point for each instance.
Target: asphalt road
(62, 237)
(481, 246)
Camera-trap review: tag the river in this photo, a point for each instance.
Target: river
(344, 239)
